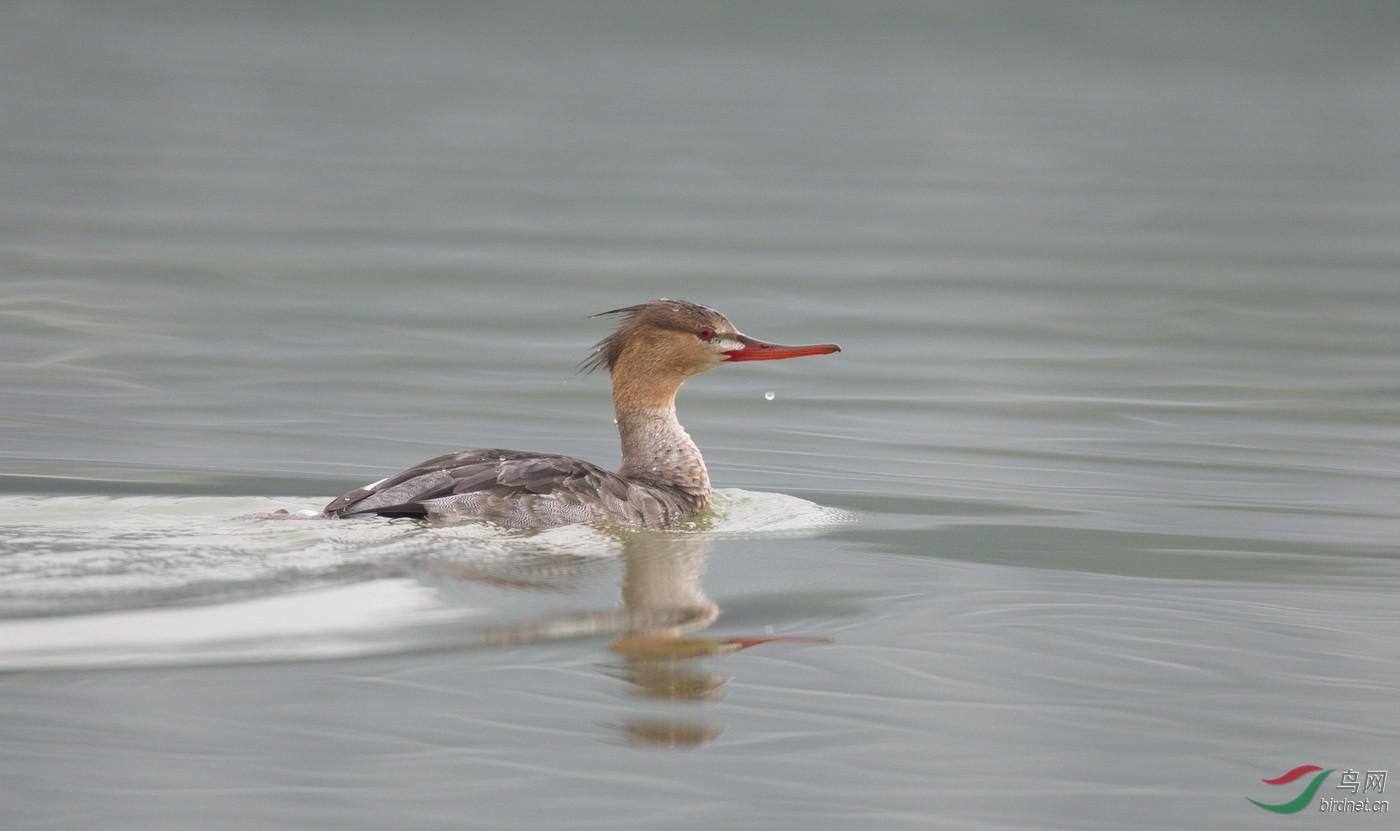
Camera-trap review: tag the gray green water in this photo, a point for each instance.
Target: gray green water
(1096, 514)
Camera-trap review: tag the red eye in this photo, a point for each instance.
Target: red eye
(705, 333)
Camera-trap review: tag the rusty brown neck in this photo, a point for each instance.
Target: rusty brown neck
(655, 447)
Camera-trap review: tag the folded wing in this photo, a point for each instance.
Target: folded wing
(518, 489)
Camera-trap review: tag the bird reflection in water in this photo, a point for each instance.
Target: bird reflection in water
(658, 655)
(664, 601)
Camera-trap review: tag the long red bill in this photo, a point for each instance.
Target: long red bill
(757, 350)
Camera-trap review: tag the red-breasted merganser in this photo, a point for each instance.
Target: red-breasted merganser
(662, 479)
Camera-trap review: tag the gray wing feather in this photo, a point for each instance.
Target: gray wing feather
(512, 488)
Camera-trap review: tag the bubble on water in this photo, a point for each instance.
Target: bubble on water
(768, 395)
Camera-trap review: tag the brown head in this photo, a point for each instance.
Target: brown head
(661, 343)
(677, 339)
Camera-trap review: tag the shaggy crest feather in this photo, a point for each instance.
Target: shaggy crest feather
(677, 315)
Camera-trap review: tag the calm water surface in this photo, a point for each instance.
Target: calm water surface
(1092, 524)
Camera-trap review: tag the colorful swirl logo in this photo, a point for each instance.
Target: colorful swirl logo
(1301, 801)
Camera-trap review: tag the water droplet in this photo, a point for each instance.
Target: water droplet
(768, 395)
